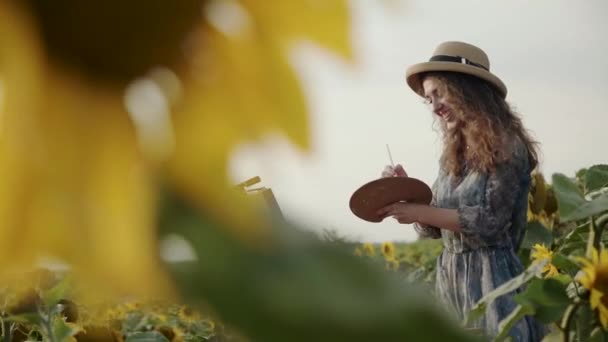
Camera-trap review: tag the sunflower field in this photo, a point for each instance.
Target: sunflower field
(117, 121)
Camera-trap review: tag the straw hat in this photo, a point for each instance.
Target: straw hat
(456, 57)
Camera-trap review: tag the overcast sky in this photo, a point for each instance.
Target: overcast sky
(550, 54)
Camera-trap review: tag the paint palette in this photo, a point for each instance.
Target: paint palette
(372, 196)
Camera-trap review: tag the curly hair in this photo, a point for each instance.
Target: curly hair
(485, 123)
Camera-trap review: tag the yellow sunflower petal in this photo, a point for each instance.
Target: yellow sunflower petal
(603, 259)
(595, 256)
(21, 70)
(587, 278)
(73, 186)
(324, 22)
(595, 298)
(603, 313)
(244, 90)
(551, 271)
(584, 261)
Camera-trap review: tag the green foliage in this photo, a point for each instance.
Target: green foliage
(308, 289)
(568, 194)
(546, 298)
(508, 287)
(148, 336)
(123, 320)
(569, 228)
(314, 288)
(536, 233)
(596, 178)
(582, 205)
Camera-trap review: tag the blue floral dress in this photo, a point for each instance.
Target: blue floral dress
(492, 212)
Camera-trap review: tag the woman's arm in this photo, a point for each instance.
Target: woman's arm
(423, 214)
(438, 217)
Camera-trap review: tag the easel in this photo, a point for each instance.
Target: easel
(266, 194)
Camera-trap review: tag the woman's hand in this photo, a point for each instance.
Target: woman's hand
(402, 212)
(393, 171)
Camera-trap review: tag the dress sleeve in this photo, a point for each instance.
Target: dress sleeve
(489, 215)
(428, 231)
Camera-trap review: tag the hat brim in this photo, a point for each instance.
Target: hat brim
(412, 74)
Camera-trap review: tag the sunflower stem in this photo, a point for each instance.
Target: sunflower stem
(583, 324)
(568, 318)
(598, 227)
(593, 241)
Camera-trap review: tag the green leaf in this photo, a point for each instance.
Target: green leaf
(575, 241)
(504, 327)
(564, 279)
(569, 196)
(62, 331)
(536, 233)
(587, 209)
(58, 292)
(148, 336)
(580, 175)
(554, 336)
(194, 338)
(596, 177)
(598, 335)
(524, 257)
(132, 322)
(299, 289)
(547, 297)
(564, 263)
(28, 318)
(534, 270)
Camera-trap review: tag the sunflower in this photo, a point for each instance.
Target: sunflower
(594, 277)
(96, 119)
(541, 253)
(369, 249)
(187, 314)
(388, 250)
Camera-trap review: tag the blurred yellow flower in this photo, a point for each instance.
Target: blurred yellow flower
(540, 253)
(369, 249)
(358, 251)
(530, 214)
(594, 277)
(388, 250)
(131, 305)
(93, 119)
(187, 314)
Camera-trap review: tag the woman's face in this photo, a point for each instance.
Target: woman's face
(437, 100)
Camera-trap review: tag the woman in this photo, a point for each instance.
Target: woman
(480, 195)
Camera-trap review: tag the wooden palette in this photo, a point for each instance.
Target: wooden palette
(372, 196)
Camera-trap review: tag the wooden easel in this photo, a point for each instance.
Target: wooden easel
(266, 194)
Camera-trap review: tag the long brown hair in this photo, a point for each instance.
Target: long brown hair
(485, 124)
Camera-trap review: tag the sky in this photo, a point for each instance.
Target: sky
(550, 54)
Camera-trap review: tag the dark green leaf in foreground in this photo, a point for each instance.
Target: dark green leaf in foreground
(301, 290)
